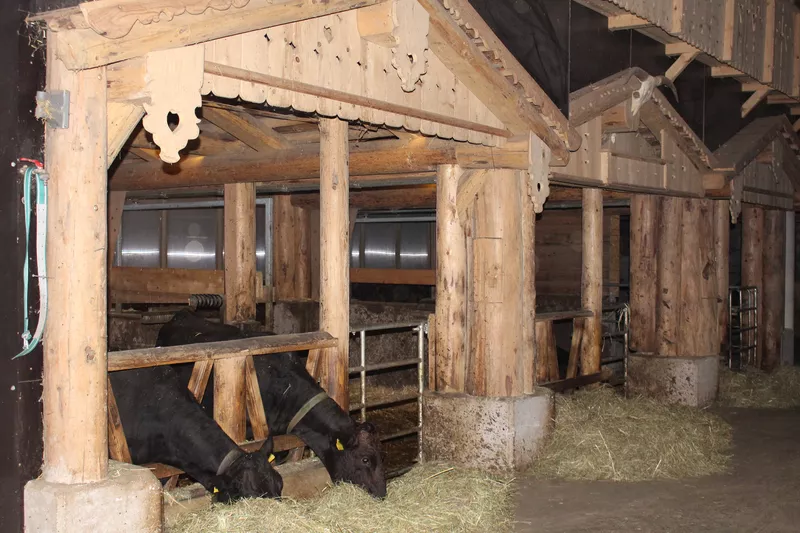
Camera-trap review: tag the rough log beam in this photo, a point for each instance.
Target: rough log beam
(246, 128)
(302, 163)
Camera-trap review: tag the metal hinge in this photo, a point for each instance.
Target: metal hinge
(53, 108)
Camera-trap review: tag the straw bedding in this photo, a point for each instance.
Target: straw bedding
(754, 388)
(601, 435)
(430, 498)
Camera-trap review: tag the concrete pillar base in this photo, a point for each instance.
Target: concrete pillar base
(491, 434)
(129, 500)
(787, 347)
(683, 380)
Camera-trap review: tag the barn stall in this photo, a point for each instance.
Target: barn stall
(418, 92)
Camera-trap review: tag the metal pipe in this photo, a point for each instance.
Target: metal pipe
(383, 366)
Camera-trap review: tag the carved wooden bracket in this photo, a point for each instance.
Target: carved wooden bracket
(174, 79)
(401, 25)
(538, 172)
(115, 18)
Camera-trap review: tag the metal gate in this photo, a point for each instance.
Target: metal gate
(421, 329)
(743, 327)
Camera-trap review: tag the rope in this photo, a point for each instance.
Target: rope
(30, 342)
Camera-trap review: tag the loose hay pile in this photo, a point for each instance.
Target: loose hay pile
(601, 435)
(754, 388)
(430, 498)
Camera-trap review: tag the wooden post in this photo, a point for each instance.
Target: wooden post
(74, 378)
(670, 215)
(240, 304)
(690, 323)
(643, 279)
(334, 311)
(752, 263)
(709, 306)
(291, 250)
(501, 345)
(787, 351)
(451, 285)
(592, 280)
(722, 238)
(773, 299)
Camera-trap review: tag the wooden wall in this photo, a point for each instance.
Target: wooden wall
(558, 253)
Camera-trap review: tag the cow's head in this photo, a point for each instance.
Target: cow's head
(357, 459)
(251, 475)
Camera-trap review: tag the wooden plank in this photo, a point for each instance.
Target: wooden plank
(796, 50)
(247, 129)
(451, 283)
(729, 23)
(167, 285)
(74, 357)
(544, 344)
(226, 71)
(769, 42)
(592, 280)
(643, 235)
(214, 351)
(198, 382)
(726, 71)
(116, 202)
(393, 276)
(469, 185)
(117, 443)
(690, 315)
(627, 21)
(555, 316)
(334, 315)
(255, 403)
(580, 381)
(122, 119)
(722, 237)
(578, 326)
(83, 47)
(431, 352)
(754, 99)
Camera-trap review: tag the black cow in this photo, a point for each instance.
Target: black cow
(350, 451)
(164, 424)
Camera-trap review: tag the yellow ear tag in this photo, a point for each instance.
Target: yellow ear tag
(271, 458)
(339, 445)
(216, 490)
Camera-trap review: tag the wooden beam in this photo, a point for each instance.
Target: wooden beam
(167, 285)
(753, 101)
(627, 21)
(246, 128)
(122, 120)
(769, 42)
(451, 283)
(796, 52)
(75, 340)
(680, 64)
(393, 276)
(219, 350)
(226, 71)
(722, 236)
(301, 164)
(679, 48)
(463, 57)
(230, 391)
(334, 315)
(592, 280)
(469, 185)
(643, 237)
(796, 125)
(725, 71)
(780, 99)
(728, 28)
(84, 47)
(117, 443)
(116, 202)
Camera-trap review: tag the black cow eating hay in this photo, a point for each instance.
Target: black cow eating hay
(294, 404)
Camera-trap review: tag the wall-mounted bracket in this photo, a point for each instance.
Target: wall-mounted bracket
(53, 108)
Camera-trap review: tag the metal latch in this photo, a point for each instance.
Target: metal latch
(53, 108)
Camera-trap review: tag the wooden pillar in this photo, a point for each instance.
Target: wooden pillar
(722, 238)
(787, 350)
(668, 294)
(240, 303)
(592, 280)
(773, 299)
(451, 284)
(643, 279)
(291, 250)
(752, 263)
(334, 314)
(501, 326)
(708, 308)
(74, 377)
(690, 325)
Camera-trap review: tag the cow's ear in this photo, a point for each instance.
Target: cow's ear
(343, 441)
(267, 448)
(367, 427)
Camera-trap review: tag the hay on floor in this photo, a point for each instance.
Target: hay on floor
(430, 498)
(601, 435)
(779, 389)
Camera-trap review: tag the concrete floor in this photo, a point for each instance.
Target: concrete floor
(761, 495)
